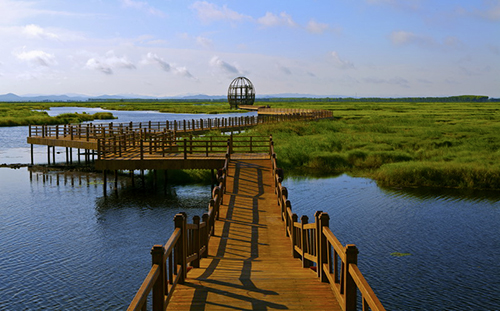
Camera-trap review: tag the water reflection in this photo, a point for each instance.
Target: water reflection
(125, 194)
(427, 193)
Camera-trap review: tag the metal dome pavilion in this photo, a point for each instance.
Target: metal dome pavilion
(240, 92)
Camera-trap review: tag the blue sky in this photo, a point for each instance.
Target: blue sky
(323, 47)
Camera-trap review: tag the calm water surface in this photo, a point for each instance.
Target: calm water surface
(63, 246)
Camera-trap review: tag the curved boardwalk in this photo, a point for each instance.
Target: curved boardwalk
(249, 264)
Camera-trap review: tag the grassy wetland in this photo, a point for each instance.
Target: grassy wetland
(399, 144)
(33, 114)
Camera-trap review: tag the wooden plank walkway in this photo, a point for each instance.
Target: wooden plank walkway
(250, 265)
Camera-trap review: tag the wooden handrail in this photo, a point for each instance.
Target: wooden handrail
(141, 296)
(315, 244)
(160, 280)
(369, 299)
(100, 130)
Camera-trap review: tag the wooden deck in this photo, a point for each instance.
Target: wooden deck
(250, 264)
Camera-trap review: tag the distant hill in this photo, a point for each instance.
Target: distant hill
(10, 97)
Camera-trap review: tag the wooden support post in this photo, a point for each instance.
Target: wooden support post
(142, 179)
(116, 180)
(71, 156)
(48, 155)
(67, 155)
(351, 255)
(181, 247)
(104, 182)
(158, 258)
(32, 155)
(132, 175)
(53, 155)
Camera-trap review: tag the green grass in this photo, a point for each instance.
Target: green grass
(399, 144)
(454, 145)
(30, 114)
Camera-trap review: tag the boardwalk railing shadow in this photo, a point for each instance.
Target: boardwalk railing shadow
(313, 243)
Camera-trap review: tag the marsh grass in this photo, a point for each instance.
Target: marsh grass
(29, 114)
(399, 144)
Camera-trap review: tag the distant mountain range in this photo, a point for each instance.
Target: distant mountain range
(10, 97)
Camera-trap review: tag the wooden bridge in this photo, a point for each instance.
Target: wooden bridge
(249, 251)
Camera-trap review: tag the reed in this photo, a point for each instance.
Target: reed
(17, 115)
(398, 144)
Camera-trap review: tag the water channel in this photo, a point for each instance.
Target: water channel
(63, 246)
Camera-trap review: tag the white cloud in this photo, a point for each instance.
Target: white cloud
(317, 28)
(204, 42)
(412, 5)
(404, 37)
(225, 67)
(209, 12)
(38, 32)
(142, 6)
(495, 49)
(37, 58)
(13, 11)
(489, 11)
(108, 63)
(284, 69)
(182, 71)
(492, 13)
(270, 20)
(394, 81)
(95, 64)
(153, 59)
(341, 63)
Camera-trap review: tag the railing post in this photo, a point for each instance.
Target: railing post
(185, 149)
(205, 234)
(231, 144)
(303, 221)
(142, 148)
(157, 254)
(288, 205)
(295, 218)
(196, 242)
(181, 246)
(323, 221)
(351, 255)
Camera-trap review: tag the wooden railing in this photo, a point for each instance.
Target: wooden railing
(181, 128)
(187, 245)
(145, 143)
(318, 248)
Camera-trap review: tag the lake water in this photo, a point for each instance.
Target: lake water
(63, 246)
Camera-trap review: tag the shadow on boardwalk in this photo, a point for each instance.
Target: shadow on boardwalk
(250, 266)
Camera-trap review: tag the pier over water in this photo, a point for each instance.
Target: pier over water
(249, 251)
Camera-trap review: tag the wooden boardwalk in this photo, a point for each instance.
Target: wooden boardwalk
(250, 264)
